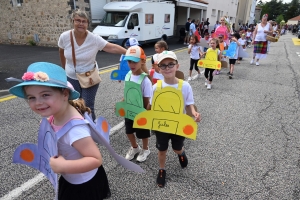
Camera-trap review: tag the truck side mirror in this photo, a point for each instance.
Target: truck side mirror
(130, 25)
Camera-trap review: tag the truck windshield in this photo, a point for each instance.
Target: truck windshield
(114, 19)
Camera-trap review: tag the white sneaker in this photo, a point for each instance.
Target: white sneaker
(205, 83)
(208, 86)
(251, 62)
(257, 63)
(190, 78)
(132, 152)
(143, 155)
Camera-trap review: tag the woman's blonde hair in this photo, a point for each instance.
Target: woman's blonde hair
(79, 13)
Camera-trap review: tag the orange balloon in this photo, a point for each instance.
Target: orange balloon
(188, 129)
(105, 126)
(142, 121)
(122, 112)
(27, 155)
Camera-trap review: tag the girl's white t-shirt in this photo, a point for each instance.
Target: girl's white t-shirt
(186, 90)
(242, 41)
(146, 85)
(66, 150)
(85, 54)
(195, 50)
(248, 34)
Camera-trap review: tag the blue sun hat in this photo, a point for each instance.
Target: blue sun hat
(43, 74)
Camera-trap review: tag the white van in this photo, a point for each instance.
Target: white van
(146, 21)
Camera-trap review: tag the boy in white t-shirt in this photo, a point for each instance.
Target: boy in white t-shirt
(168, 64)
(135, 56)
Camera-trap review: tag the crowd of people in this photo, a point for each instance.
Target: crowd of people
(56, 92)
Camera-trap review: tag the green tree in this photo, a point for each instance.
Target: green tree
(279, 19)
(293, 9)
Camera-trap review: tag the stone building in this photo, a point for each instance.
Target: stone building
(21, 20)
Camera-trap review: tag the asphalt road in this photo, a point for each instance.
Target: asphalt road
(247, 145)
(14, 59)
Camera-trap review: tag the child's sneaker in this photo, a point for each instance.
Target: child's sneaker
(143, 155)
(161, 178)
(218, 72)
(251, 62)
(228, 73)
(208, 86)
(190, 78)
(132, 152)
(183, 160)
(257, 63)
(205, 82)
(230, 76)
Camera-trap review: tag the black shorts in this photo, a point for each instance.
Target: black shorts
(162, 141)
(232, 61)
(140, 133)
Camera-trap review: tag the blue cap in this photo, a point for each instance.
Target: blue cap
(132, 42)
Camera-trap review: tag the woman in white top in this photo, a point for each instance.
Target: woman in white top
(86, 47)
(260, 39)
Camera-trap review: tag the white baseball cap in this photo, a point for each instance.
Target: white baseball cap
(166, 54)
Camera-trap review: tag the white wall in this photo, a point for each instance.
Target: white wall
(219, 8)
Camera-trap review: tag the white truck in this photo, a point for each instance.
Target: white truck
(147, 21)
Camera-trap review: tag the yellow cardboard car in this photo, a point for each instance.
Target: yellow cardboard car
(166, 114)
(211, 60)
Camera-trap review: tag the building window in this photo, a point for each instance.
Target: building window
(214, 12)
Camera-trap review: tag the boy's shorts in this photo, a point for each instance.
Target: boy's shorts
(162, 141)
(232, 61)
(140, 133)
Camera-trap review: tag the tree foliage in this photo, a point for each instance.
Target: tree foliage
(275, 8)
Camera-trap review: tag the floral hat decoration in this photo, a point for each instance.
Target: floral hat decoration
(43, 74)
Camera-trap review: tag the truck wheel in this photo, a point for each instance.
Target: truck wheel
(124, 42)
(164, 38)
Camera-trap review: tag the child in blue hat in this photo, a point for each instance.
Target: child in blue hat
(79, 161)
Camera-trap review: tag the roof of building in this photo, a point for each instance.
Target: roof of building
(201, 1)
(295, 18)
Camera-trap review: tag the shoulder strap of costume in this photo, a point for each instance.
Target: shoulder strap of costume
(158, 85)
(68, 126)
(128, 75)
(180, 83)
(142, 76)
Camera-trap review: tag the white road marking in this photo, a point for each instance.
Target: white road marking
(24, 187)
(40, 177)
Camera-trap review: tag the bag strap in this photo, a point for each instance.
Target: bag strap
(73, 50)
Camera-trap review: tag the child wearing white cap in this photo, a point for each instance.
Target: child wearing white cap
(168, 64)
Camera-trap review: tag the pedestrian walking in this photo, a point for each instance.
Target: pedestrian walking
(154, 73)
(79, 161)
(79, 59)
(259, 39)
(187, 32)
(232, 60)
(194, 50)
(168, 64)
